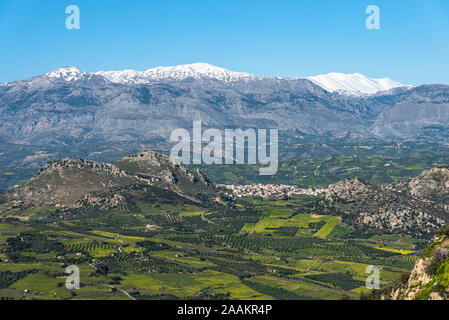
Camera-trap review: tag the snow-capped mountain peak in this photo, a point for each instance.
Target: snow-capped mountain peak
(180, 72)
(349, 84)
(66, 73)
(354, 84)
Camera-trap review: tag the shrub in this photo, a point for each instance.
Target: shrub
(403, 278)
(444, 231)
(439, 255)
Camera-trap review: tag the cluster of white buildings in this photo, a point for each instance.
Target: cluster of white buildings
(270, 190)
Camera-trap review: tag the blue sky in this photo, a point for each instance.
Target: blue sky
(291, 38)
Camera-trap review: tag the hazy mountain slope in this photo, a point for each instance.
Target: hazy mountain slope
(420, 112)
(68, 106)
(45, 111)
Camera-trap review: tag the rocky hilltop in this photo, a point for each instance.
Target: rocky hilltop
(371, 208)
(432, 185)
(63, 182)
(70, 182)
(162, 171)
(349, 190)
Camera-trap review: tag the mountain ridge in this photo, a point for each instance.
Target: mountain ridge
(68, 106)
(350, 84)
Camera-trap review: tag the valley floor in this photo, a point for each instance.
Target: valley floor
(256, 249)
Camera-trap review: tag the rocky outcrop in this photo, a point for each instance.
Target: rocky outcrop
(80, 182)
(431, 185)
(167, 174)
(372, 208)
(65, 181)
(62, 165)
(350, 190)
(104, 202)
(418, 278)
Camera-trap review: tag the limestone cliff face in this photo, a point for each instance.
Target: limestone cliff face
(429, 279)
(418, 278)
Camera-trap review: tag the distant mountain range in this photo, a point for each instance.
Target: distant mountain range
(68, 106)
(350, 84)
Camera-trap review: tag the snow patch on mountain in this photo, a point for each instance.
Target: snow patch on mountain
(66, 73)
(349, 84)
(354, 84)
(181, 72)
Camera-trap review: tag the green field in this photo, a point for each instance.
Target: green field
(327, 228)
(313, 172)
(259, 249)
